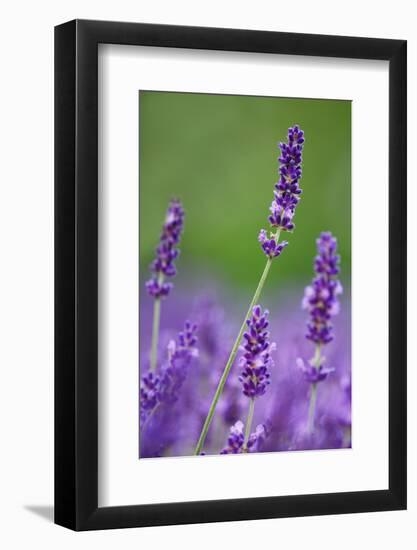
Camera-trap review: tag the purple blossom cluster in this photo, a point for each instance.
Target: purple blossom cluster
(235, 441)
(255, 378)
(287, 190)
(164, 388)
(286, 193)
(256, 360)
(271, 248)
(149, 395)
(321, 297)
(312, 373)
(174, 428)
(180, 354)
(167, 251)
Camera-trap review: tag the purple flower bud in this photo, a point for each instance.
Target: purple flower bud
(158, 290)
(149, 394)
(236, 439)
(166, 387)
(287, 192)
(256, 359)
(180, 354)
(166, 252)
(314, 374)
(320, 298)
(270, 246)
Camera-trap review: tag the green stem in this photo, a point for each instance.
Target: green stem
(317, 356)
(312, 408)
(155, 329)
(313, 396)
(232, 356)
(153, 411)
(248, 424)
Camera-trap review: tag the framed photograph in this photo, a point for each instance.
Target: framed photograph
(230, 254)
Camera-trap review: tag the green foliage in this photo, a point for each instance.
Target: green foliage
(218, 154)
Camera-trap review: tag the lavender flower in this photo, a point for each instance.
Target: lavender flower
(256, 360)
(286, 198)
(166, 252)
(180, 354)
(235, 441)
(149, 395)
(312, 373)
(163, 266)
(165, 388)
(271, 248)
(287, 192)
(320, 298)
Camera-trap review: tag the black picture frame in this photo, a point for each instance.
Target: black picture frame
(76, 274)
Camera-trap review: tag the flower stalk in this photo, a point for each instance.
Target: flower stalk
(321, 302)
(313, 395)
(286, 197)
(163, 266)
(155, 329)
(232, 356)
(249, 421)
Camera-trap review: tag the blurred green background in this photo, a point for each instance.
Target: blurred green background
(218, 154)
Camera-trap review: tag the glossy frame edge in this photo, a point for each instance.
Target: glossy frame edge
(76, 270)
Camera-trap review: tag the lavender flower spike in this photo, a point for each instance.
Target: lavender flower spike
(166, 252)
(165, 388)
(180, 354)
(235, 441)
(312, 373)
(256, 360)
(321, 302)
(320, 298)
(286, 198)
(287, 191)
(163, 266)
(149, 395)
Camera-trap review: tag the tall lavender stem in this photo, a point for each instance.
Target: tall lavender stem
(320, 300)
(163, 266)
(249, 421)
(232, 357)
(155, 328)
(313, 395)
(286, 197)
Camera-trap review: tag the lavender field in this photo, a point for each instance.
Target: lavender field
(257, 360)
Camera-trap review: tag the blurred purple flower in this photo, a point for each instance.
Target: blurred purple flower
(149, 394)
(236, 438)
(313, 374)
(165, 388)
(166, 252)
(173, 428)
(175, 372)
(320, 298)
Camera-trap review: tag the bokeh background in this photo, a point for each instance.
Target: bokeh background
(218, 154)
